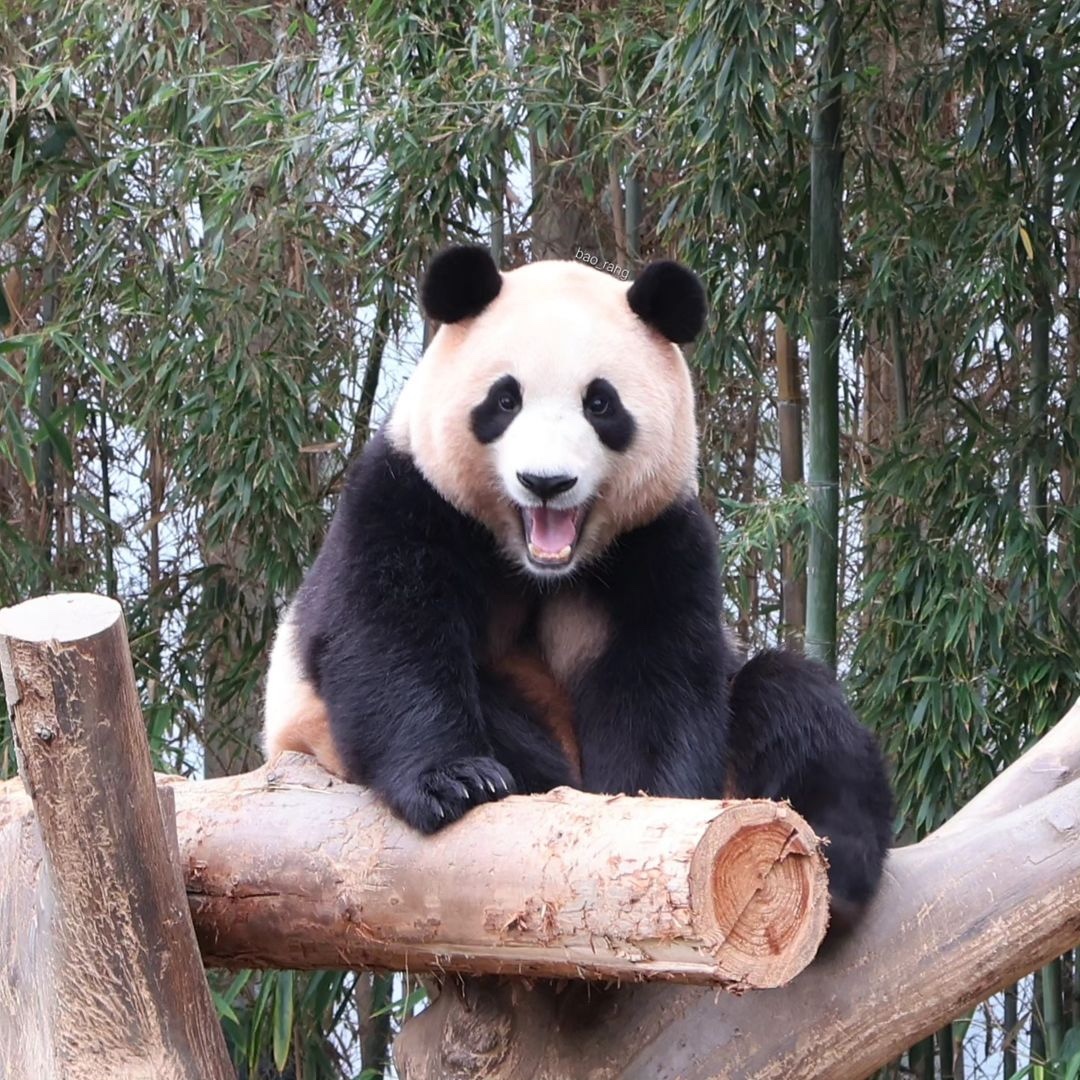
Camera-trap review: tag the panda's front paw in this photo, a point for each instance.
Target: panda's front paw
(438, 796)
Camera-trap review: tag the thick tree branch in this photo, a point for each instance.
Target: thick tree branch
(1051, 763)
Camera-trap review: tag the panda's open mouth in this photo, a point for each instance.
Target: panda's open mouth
(550, 534)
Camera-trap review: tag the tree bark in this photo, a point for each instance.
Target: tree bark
(99, 970)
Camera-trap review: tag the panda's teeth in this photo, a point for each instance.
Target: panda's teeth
(540, 555)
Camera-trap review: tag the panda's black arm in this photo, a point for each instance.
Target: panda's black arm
(652, 711)
(388, 618)
(655, 712)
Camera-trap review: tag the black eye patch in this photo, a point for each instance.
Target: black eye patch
(496, 412)
(612, 422)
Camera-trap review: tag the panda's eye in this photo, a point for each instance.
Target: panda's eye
(598, 404)
(508, 402)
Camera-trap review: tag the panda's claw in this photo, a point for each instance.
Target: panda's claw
(439, 796)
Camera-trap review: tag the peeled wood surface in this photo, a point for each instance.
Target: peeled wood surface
(288, 867)
(959, 916)
(99, 968)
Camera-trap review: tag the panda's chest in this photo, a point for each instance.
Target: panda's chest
(566, 631)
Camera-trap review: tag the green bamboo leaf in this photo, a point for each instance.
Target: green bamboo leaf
(283, 1018)
(939, 20)
(23, 455)
(224, 1009)
(12, 373)
(58, 439)
(263, 1001)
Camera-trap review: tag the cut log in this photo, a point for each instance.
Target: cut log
(288, 867)
(291, 868)
(99, 967)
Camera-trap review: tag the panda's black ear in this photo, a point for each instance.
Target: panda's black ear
(460, 283)
(670, 299)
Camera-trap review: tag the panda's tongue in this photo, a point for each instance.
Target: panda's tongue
(551, 533)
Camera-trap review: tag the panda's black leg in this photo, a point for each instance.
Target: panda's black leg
(793, 736)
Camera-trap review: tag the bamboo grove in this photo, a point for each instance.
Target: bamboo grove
(212, 218)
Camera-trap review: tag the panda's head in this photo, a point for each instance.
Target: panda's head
(554, 405)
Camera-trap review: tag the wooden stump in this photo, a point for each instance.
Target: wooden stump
(99, 970)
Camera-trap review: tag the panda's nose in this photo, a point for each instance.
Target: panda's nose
(547, 487)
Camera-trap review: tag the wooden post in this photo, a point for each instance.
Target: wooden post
(100, 972)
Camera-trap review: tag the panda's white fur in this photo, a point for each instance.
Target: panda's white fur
(295, 717)
(554, 326)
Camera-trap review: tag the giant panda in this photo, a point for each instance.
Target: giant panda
(519, 588)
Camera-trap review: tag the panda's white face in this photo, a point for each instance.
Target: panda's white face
(555, 443)
(555, 417)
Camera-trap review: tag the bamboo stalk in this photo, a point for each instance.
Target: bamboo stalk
(1040, 359)
(380, 332)
(105, 454)
(618, 219)
(635, 197)
(1036, 1030)
(1009, 1023)
(1074, 990)
(789, 417)
(1053, 1017)
(900, 373)
(1049, 979)
(945, 1052)
(498, 236)
(826, 189)
(921, 1059)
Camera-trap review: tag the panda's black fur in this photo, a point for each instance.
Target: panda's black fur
(392, 617)
(389, 621)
